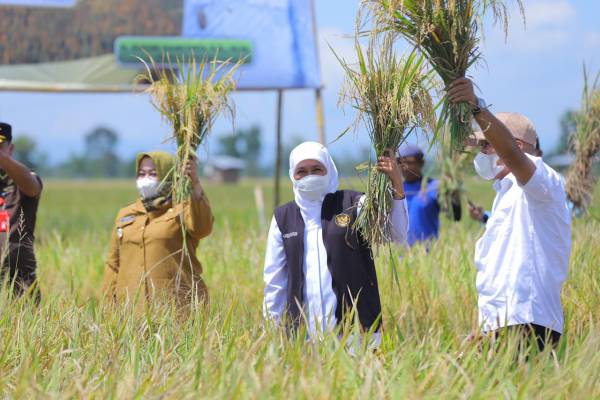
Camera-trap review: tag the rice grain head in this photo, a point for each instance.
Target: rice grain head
(392, 100)
(448, 33)
(190, 95)
(585, 143)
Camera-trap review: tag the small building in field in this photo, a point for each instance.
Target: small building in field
(224, 169)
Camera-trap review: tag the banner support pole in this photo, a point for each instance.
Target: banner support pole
(319, 91)
(277, 174)
(320, 115)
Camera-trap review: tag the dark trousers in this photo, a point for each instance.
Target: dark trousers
(21, 283)
(533, 333)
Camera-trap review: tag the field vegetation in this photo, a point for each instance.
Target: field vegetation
(75, 346)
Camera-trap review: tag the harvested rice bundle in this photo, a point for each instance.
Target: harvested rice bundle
(190, 96)
(448, 33)
(585, 142)
(453, 165)
(391, 96)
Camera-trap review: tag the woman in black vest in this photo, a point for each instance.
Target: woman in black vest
(316, 265)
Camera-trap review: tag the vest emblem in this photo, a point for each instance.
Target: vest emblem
(290, 235)
(342, 220)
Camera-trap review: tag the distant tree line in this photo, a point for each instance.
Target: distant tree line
(246, 144)
(100, 159)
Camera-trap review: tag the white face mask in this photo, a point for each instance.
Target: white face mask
(312, 187)
(148, 187)
(486, 165)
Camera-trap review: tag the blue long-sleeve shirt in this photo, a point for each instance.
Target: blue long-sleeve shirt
(423, 210)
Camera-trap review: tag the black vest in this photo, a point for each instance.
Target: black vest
(349, 259)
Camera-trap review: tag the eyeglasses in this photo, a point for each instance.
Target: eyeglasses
(485, 145)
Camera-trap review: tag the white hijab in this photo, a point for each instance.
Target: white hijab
(312, 151)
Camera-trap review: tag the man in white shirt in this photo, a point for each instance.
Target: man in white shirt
(522, 258)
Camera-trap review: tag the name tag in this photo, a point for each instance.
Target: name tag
(290, 235)
(126, 219)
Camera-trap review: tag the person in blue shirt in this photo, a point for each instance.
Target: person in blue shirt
(422, 197)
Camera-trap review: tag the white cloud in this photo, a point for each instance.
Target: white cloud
(549, 13)
(343, 44)
(550, 24)
(592, 40)
(542, 40)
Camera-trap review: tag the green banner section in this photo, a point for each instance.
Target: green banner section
(130, 49)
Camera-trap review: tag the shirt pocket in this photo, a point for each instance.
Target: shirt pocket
(167, 227)
(129, 231)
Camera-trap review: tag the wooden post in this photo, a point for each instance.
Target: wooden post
(259, 199)
(318, 91)
(278, 148)
(320, 116)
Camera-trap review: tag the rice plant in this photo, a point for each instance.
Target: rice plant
(585, 142)
(391, 97)
(74, 346)
(453, 166)
(448, 33)
(190, 96)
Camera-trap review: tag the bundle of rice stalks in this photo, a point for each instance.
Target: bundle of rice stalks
(391, 96)
(585, 142)
(190, 96)
(451, 189)
(448, 33)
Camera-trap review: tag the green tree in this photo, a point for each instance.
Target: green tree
(245, 144)
(27, 153)
(567, 129)
(74, 167)
(100, 153)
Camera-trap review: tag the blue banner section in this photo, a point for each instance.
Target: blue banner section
(284, 50)
(40, 3)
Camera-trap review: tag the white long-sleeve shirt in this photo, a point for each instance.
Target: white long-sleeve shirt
(320, 301)
(523, 257)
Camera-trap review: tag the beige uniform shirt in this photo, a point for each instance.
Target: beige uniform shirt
(147, 258)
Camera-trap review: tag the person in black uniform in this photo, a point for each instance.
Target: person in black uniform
(20, 191)
(316, 266)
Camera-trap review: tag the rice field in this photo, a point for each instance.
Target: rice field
(74, 346)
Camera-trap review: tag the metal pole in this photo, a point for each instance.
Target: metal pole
(278, 147)
(320, 116)
(318, 91)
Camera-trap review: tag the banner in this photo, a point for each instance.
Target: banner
(40, 3)
(281, 33)
(94, 45)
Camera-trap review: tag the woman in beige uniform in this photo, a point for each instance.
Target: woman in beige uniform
(148, 260)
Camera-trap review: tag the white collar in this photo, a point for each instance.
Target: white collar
(502, 185)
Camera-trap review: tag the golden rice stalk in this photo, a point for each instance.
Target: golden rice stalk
(448, 33)
(391, 97)
(190, 95)
(585, 142)
(453, 166)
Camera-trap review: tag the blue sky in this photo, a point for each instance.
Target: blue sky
(537, 72)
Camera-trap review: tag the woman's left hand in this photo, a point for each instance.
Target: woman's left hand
(191, 169)
(389, 166)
